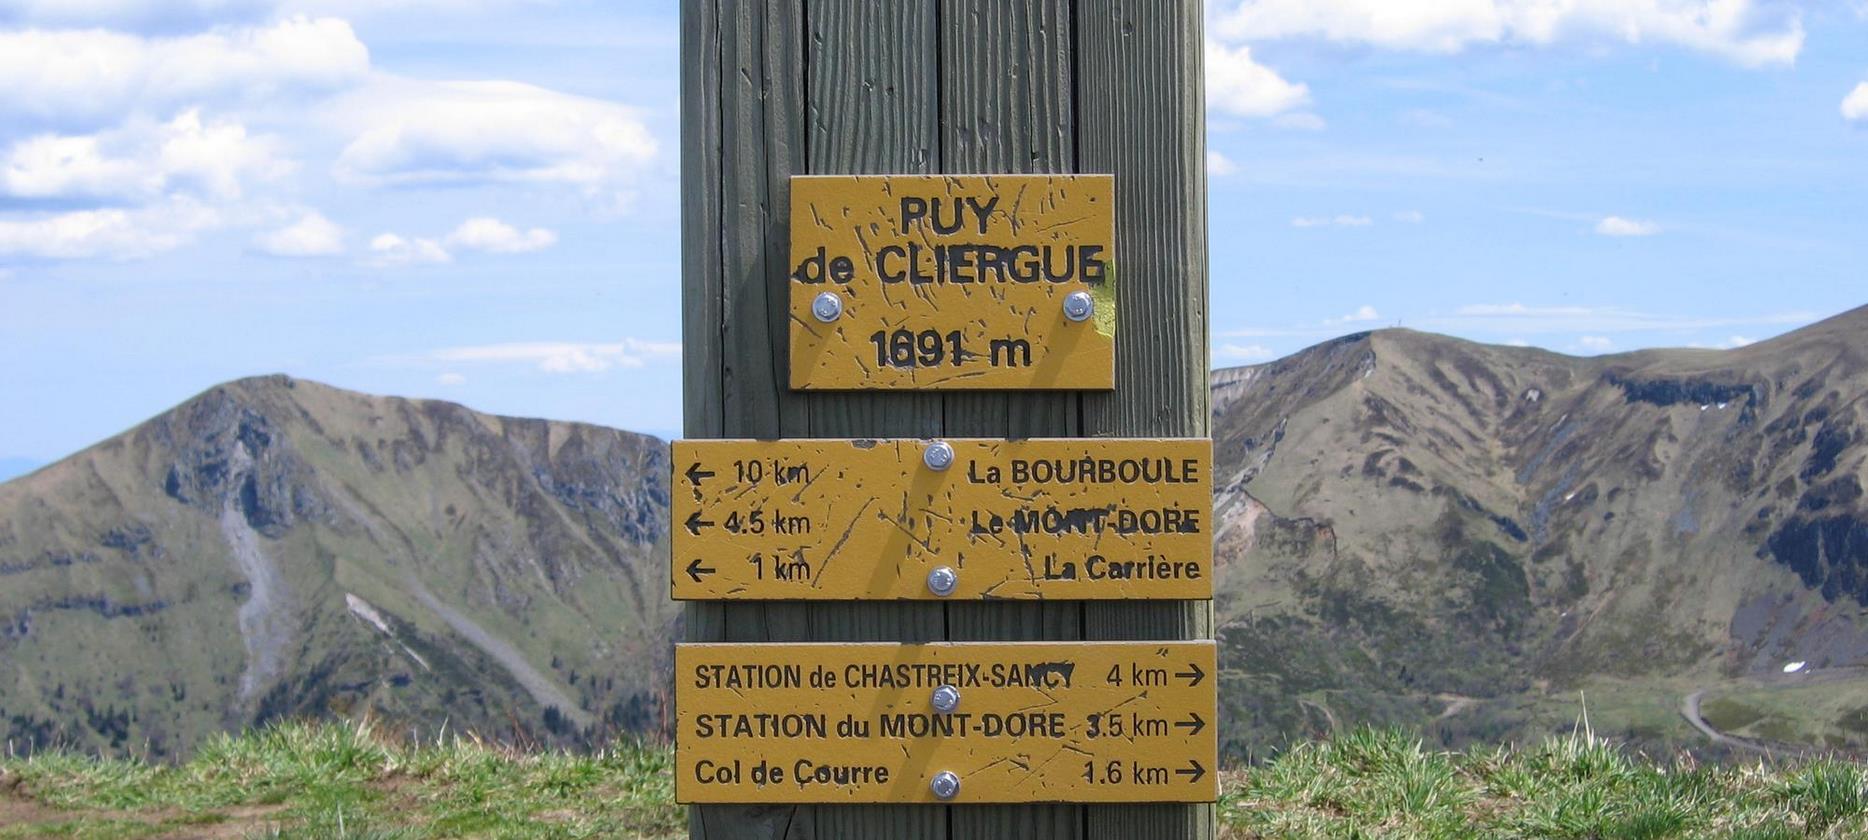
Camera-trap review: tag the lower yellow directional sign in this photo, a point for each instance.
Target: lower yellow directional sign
(1088, 518)
(951, 722)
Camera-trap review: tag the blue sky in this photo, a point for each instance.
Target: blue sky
(477, 200)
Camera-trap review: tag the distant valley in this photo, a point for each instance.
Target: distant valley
(1480, 542)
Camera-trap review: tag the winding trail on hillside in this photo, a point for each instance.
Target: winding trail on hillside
(1689, 709)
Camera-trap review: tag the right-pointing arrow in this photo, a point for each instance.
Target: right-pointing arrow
(1194, 772)
(1193, 722)
(1193, 675)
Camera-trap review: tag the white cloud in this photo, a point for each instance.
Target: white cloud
(451, 378)
(1855, 105)
(1219, 165)
(1618, 226)
(410, 133)
(565, 357)
(496, 237)
(393, 250)
(109, 233)
(1363, 314)
(143, 161)
(1513, 323)
(1596, 343)
(1747, 32)
(131, 14)
(95, 76)
(1340, 220)
(1304, 121)
(1412, 217)
(1246, 352)
(1730, 343)
(1237, 85)
(1518, 318)
(1424, 118)
(312, 235)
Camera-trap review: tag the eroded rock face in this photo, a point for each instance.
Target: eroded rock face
(198, 573)
(225, 451)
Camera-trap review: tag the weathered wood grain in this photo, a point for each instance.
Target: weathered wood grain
(1139, 107)
(1006, 106)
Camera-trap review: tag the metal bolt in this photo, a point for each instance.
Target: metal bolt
(946, 785)
(827, 307)
(1078, 306)
(942, 581)
(946, 699)
(938, 455)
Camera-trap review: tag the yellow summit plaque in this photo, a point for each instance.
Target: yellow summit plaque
(946, 722)
(953, 282)
(1077, 518)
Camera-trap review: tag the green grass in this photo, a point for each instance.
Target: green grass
(1374, 783)
(337, 781)
(1831, 712)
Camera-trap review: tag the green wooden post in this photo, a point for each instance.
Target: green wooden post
(775, 88)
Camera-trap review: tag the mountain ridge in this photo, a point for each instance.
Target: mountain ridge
(1394, 501)
(233, 547)
(1411, 530)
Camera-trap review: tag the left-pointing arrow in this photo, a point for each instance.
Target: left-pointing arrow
(696, 474)
(695, 523)
(1193, 771)
(696, 570)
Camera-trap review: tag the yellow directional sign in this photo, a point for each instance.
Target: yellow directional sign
(953, 722)
(1079, 518)
(953, 282)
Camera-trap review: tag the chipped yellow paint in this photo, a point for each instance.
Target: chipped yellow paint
(1077, 518)
(1036, 722)
(952, 281)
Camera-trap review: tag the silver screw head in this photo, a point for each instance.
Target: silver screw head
(946, 699)
(938, 455)
(946, 785)
(827, 307)
(1079, 306)
(942, 581)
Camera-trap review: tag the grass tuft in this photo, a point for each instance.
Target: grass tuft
(1372, 783)
(306, 780)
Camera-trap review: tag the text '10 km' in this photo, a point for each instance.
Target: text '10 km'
(1088, 518)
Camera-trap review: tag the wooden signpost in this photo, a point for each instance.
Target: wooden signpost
(947, 539)
(943, 519)
(1017, 722)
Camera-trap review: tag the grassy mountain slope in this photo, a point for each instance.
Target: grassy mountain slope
(275, 548)
(1426, 531)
